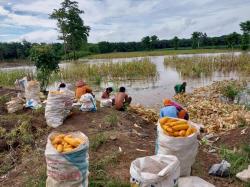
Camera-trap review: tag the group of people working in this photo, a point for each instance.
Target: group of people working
(121, 100)
(84, 95)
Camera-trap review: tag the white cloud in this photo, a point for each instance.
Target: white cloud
(130, 20)
(3, 12)
(39, 36)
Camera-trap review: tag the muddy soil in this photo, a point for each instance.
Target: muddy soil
(129, 135)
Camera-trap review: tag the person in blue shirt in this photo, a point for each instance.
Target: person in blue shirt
(169, 111)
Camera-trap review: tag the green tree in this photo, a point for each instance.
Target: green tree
(146, 42)
(196, 36)
(245, 27)
(46, 63)
(176, 42)
(154, 40)
(71, 26)
(232, 39)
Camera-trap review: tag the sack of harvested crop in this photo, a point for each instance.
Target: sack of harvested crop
(105, 102)
(32, 91)
(15, 104)
(179, 138)
(157, 171)
(58, 107)
(67, 160)
(88, 103)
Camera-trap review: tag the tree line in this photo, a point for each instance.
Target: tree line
(74, 33)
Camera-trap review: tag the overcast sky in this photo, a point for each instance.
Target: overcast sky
(124, 20)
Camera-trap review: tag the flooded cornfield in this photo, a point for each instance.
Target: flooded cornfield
(146, 90)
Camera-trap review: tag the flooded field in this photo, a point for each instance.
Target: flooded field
(150, 90)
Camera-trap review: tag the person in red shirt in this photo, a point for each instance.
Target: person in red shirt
(122, 100)
(106, 93)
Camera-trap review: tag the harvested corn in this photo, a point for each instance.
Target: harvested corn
(65, 143)
(176, 127)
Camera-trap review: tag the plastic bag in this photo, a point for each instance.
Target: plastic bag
(193, 181)
(220, 170)
(32, 91)
(88, 103)
(33, 104)
(58, 107)
(244, 175)
(67, 169)
(184, 148)
(157, 171)
(105, 102)
(15, 104)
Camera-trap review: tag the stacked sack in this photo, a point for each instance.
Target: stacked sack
(67, 160)
(58, 107)
(15, 104)
(32, 91)
(179, 138)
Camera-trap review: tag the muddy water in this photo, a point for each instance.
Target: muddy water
(151, 92)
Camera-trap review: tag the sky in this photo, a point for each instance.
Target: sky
(124, 20)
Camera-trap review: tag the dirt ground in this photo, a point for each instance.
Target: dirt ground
(116, 138)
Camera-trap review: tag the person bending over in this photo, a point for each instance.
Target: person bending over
(106, 93)
(180, 88)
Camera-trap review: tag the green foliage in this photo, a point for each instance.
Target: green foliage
(98, 168)
(8, 78)
(196, 36)
(245, 27)
(231, 91)
(112, 119)
(239, 160)
(2, 132)
(96, 72)
(46, 63)
(71, 26)
(76, 55)
(98, 140)
(198, 66)
(232, 39)
(176, 42)
(4, 99)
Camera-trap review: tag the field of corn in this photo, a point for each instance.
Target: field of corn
(205, 66)
(155, 53)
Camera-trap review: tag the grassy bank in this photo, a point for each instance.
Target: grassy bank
(109, 71)
(198, 66)
(7, 78)
(156, 53)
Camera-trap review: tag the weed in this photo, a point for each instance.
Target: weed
(98, 80)
(4, 99)
(8, 78)
(112, 119)
(107, 183)
(239, 160)
(2, 132)
(98, 168)
(98, 140)
(230, 91)
(39, 181)
(7, 164)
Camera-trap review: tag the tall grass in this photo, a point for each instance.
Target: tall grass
(155, 53)
(199, 66)
(107, 71)
(8, 78)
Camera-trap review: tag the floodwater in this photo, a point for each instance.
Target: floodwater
(151, 92)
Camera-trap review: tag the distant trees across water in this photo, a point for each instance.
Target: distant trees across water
(21, 50)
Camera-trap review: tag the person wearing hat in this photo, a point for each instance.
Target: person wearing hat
(81, 89)
(181, 113)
